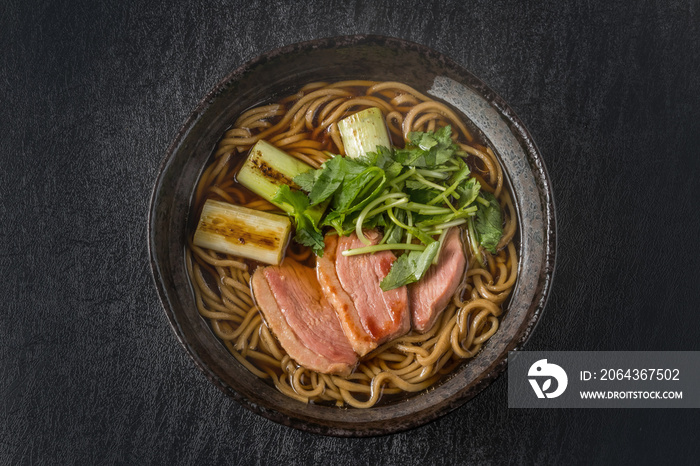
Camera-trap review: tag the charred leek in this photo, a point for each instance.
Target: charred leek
(243, 232)
(267, 168)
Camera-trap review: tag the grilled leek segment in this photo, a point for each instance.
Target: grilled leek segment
(243, 232)
(267, 168)
(363, 131)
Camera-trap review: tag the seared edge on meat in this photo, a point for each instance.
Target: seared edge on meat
(384, 314)
(361, 341)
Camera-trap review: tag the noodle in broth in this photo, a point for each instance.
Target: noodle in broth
(305, 126)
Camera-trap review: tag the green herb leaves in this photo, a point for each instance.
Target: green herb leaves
(349, 184)
(427, 149)
(321, 184)
(489, 223)
(414, 194)
(410, 267)
(307, 233)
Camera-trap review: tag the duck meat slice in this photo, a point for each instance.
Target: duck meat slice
(301, 318)
(429, 297)
(368, 315)
(361, 341)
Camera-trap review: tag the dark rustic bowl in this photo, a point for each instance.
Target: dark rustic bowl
(278, 73)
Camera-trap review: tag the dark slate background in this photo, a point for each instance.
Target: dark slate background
(92, 94)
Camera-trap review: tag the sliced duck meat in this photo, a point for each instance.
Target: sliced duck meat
(429, 297)
(368, 315)
(360, 340)
(301, 318)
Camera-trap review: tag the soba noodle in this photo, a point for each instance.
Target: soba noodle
(305, 126)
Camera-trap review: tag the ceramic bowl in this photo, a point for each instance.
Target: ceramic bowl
(281, 72)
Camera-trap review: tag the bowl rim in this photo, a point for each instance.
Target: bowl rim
(537, 166)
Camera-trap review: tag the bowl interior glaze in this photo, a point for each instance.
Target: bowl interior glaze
(279, 73)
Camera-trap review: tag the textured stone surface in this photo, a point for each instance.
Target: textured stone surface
(90, 372)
